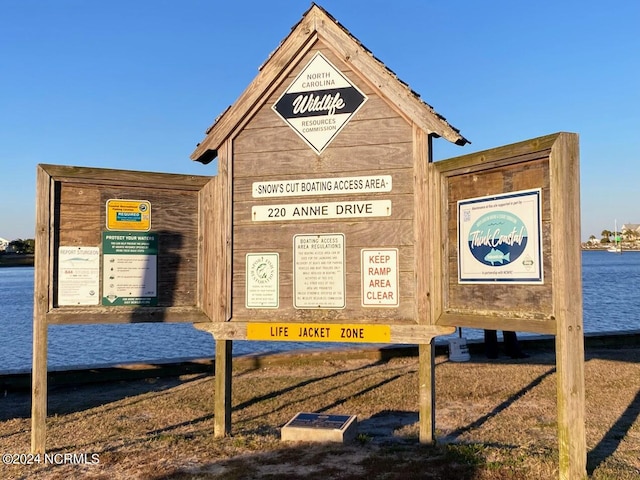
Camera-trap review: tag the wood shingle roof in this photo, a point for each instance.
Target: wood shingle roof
(316, 24)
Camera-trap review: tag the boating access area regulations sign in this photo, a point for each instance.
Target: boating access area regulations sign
(319, 103)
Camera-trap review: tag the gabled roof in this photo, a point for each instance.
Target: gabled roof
(317, 23)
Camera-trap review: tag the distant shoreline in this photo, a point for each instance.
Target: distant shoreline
(27, 260)
(15, 260)
(604, 249)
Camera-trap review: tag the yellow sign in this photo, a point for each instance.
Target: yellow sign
(130, 215)
(319, 332)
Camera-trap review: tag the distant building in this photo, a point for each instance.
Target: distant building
(629, 227)
(4, 243)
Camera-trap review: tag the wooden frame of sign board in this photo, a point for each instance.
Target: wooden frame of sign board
(72, 209)
(552, 306)
(387, 140)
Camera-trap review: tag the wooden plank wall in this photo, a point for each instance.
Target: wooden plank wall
(378, 140)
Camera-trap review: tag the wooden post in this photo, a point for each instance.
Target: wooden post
(222, 403)
(426, 388)
(424, 238)
(567, 298)
(39, 386)
(222, 287)
(44, 194)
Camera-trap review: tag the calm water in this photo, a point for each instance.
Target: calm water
(611, 284)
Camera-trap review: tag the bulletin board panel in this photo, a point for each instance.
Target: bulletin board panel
(117, 246)
(547, 303)
(120, 246)
(493, 203)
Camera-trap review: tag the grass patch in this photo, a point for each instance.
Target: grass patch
(495, 421)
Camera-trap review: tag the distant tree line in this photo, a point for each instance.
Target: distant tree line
(21, 246)
(609, 236)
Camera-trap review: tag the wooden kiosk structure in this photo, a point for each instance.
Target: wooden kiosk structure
(328, 221)
(284, 156)
(323, 177)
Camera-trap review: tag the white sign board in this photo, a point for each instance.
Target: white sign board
(499, 238)
(78, 276)
(379, 277)
(326, 210)
(322, 186)
(319, 271)
(262, 280)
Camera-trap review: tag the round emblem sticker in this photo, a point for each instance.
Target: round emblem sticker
(262, 270)
(497, 238)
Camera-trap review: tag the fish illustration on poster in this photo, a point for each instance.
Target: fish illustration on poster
(499, 238)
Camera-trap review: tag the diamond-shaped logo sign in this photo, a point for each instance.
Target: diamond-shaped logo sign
(319, 103)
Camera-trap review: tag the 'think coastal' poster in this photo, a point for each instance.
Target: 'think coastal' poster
(499, 238)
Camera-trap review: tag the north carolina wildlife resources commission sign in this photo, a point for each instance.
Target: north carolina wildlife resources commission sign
(319, 103)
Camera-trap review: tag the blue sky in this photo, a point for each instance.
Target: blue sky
(133, 84)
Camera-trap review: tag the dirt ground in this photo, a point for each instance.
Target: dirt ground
(494, 420)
